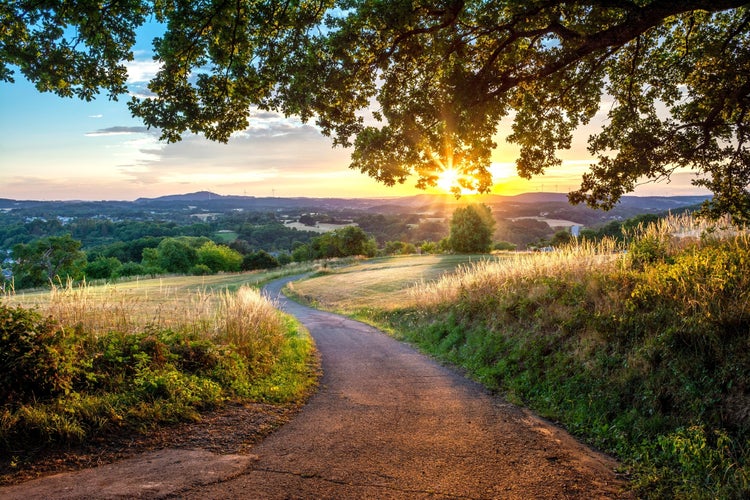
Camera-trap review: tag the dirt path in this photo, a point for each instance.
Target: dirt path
(387, 422)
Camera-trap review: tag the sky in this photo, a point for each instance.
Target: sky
(54, 148)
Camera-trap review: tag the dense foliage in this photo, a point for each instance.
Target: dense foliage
(60, 384)
(674, 76)
(125, 237)
(41, 250)
(344, 242)
(47, 259)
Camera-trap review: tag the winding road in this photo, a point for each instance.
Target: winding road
(388, 422)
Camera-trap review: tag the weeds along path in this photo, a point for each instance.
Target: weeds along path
(387, 422)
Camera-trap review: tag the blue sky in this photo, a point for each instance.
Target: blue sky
(61, 149)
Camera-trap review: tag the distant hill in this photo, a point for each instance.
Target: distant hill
(197, 196)
(547, 205)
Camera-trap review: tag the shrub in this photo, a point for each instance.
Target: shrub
(219, 257)
(200, 270)
(504, 246)
(35, 359)
(259, 260)
(130, 269)
(102, 268)
(62, 386)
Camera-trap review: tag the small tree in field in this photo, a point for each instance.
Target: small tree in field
(471, 229)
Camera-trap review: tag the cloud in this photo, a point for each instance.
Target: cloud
(118, 131)
(272, 150)
(142, 71)
(96, 116)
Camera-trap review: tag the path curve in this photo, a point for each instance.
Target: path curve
(388, 422)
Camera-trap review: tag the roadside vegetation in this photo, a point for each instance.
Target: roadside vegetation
(638, 345)
(80, 361)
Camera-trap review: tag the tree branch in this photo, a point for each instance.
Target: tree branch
(637, 22)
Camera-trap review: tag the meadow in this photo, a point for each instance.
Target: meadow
(83, 360)
(381, 283)
(639, 348)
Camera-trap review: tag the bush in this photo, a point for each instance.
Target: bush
(219, 257)
(504, 246)
(36, 360)
(130, 269)
(62, 387)
(102, 268)
(259, 260)
(200, 270)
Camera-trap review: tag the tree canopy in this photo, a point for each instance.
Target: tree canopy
(472, 228)
(46, 260)
(420, 87)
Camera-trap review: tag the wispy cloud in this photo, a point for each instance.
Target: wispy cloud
(96, 116)
(272, 150)
(118, 131)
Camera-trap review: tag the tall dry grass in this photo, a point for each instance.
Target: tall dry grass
(138, 357)
(490, 277)
(638, 346)
(250, 321)
(573, 262)
(243, 318)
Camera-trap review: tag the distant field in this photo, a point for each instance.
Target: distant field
(320, 228)
(380, 283)
(553, 222)
(226, 236)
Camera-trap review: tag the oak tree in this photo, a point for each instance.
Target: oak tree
(421, 86)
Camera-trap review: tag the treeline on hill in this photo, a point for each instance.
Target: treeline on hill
(40, 249)
(61, 257)
(260, 230)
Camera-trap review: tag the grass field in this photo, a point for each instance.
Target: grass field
(225, 236)
(382, 283)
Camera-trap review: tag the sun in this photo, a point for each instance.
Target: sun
(448, 181)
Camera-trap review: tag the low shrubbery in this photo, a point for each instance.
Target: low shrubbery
(642, 349)
(63, 382)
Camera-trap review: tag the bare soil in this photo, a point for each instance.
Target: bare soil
(232, 429)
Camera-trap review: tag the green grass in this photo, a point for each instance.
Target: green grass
(643, 354)
(89, 359)
(226, 236)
